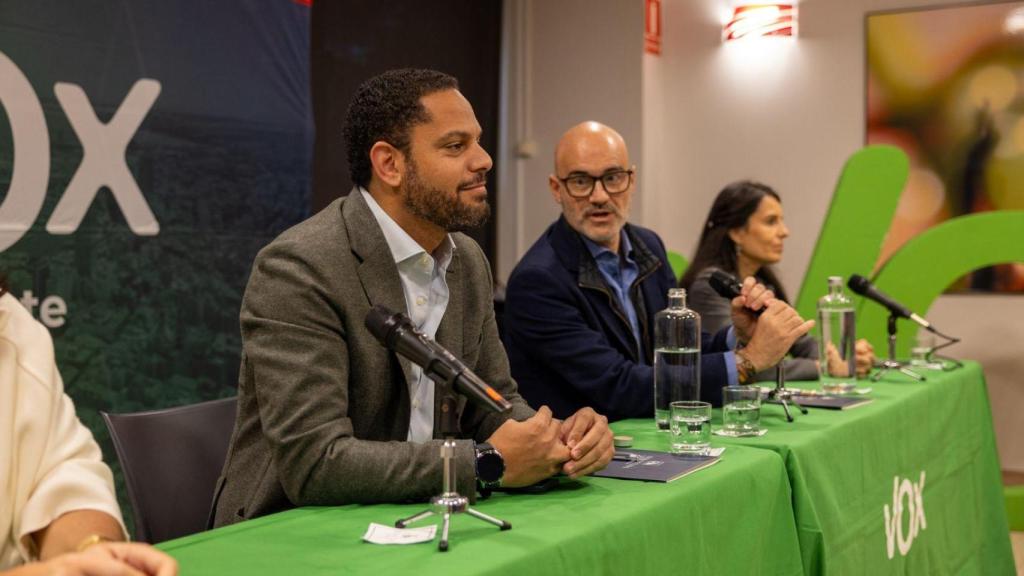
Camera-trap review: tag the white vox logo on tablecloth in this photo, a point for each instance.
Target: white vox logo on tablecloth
(103, 157)
(895, 536)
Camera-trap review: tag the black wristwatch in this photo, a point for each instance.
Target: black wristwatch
(490, 467)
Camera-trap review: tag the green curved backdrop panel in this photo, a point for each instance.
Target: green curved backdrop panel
(678, 263)
(861, 211)
(926, 265)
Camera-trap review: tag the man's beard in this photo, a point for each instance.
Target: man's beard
(439, 208)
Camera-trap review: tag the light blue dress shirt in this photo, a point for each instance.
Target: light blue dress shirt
(426, 299)
(619, 274)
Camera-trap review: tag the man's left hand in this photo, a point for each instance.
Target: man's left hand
(589, 439)
(753, 297)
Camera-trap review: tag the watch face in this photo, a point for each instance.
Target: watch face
(490, 466)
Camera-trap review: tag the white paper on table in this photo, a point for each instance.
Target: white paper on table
(716, 451)
(381, 534)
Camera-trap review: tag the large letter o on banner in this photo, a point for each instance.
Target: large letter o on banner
(31, 153)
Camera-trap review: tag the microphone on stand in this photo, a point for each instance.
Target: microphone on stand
(864, 287)
(396, 332)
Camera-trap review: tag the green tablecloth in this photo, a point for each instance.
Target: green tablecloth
(732, 518)
(928, 446)
(846, 467)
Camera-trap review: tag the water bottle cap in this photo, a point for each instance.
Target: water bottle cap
(835, 280)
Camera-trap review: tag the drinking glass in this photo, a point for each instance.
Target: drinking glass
(690, 426)
(741, 411)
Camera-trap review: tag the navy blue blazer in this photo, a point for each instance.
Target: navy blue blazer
(568, 340)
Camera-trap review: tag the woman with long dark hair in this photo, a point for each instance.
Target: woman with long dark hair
(744, 236)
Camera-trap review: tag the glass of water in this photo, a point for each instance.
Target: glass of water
(691, 427)
(741, 411)
(919, 356)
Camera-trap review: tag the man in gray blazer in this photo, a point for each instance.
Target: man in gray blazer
(328, 416)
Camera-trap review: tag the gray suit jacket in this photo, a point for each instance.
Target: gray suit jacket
(323, 408)
(716, 313)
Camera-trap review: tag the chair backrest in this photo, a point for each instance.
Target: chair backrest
(171, 461)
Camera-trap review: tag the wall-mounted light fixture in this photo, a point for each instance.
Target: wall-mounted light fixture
(759, 20)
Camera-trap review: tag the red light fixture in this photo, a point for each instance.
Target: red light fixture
(652, 27)
(760, 20)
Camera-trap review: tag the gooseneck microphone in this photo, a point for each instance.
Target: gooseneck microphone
(396, 332)
(864, 287)
(728, 286)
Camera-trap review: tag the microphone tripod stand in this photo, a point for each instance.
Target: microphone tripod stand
(782, 395)
(891, 363)
(449, 501)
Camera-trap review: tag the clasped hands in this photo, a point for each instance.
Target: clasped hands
(104, 559)
(542, 446)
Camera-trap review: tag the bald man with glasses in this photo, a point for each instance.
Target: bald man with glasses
(580, 305)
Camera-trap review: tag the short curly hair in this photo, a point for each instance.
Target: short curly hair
(385, 108)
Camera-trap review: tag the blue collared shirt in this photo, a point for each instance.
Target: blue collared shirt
(619, 274)
(426, 299)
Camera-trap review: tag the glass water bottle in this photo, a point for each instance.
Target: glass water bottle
(676, 356)
(836, 349)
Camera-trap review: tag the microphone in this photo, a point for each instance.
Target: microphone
(864, 287)
(728, 286)
(396, 332)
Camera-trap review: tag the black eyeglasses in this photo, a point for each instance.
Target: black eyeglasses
(581, 185)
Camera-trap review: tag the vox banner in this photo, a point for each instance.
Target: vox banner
(148, 149)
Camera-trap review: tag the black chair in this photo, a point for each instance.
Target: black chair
(171, 461)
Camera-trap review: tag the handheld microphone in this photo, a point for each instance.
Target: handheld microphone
(396, 332)
(864, 287)
(728, 286)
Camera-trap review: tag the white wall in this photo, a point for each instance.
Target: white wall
(992, 333)
(566, 61)
(706, 114)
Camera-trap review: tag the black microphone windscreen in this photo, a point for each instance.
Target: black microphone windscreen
(858, 284)
(380, 321)
(725, 284)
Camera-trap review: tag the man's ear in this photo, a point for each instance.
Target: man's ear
(388, 163)
(555, 185)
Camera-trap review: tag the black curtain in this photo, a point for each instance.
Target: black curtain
(356, 39)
